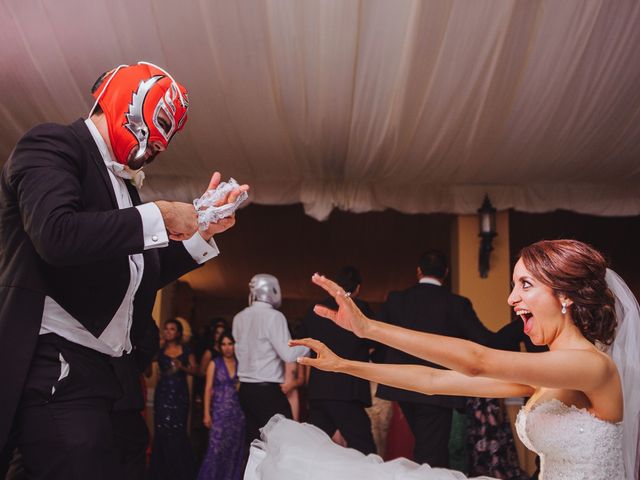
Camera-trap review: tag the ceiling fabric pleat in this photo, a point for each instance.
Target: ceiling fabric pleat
(415, 105)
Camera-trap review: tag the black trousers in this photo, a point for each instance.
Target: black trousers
(431, 427)
(63, 424)
(349, 417)
(132, 439)
(10, 459)
(260, 402)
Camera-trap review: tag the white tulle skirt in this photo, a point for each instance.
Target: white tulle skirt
(298, 451)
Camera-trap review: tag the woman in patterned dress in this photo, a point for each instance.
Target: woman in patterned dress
(172, 457)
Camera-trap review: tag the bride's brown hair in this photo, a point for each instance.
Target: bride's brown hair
(576, 270)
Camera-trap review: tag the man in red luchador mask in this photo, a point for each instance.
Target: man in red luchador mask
(144, 108)
(81, 260)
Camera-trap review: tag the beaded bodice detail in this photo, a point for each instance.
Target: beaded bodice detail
(571, 442)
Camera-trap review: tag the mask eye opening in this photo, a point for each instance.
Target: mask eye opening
(166, 128)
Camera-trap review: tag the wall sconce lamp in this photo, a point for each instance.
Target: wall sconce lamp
(487, 219)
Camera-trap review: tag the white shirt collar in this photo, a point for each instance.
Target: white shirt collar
(119, 170)
(430, 281)
(102, 145)
(258, 303)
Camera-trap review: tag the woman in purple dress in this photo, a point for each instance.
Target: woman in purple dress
(223, 415)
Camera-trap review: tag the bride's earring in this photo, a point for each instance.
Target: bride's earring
(564, 308)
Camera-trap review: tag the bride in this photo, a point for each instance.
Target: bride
(579, 389)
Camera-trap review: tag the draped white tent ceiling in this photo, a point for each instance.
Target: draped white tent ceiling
(419, 106)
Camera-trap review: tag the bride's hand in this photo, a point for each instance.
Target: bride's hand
(326, 360)
(348, 315)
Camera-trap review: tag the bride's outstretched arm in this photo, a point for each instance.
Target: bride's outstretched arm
(573, 369)
(418, 378)
(454, 353)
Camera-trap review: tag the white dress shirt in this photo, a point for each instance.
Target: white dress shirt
(114, 340)
(430, 281)
(262, 336)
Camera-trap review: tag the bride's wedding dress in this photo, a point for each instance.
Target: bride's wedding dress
(572, 444)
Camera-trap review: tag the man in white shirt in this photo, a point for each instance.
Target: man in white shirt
(81, 259)
(262, 348)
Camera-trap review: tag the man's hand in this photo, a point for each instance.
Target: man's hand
(225, 223)
(180, 219)
(287, 387)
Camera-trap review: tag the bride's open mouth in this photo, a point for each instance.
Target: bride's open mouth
(527, 318)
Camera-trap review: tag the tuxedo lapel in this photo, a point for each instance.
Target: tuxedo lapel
(89, 143)
(133, 193)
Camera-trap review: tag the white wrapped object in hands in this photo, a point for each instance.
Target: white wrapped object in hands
(206, 204)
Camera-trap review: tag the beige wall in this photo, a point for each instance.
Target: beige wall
(163, 307)
(488, 295)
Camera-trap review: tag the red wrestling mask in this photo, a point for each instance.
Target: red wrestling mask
(144, 107)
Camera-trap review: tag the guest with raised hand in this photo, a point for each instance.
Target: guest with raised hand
(563, 293)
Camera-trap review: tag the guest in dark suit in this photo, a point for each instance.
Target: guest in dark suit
(338, 401)
(81, 259)
(429, 307)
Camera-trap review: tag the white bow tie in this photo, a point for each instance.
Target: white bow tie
(123, 171)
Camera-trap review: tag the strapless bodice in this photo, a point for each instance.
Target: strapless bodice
(571, 442)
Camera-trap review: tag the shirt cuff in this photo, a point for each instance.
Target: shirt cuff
(153, 229)
(199, 249)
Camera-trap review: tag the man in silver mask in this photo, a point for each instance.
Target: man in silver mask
(262, 337)
(265, 288)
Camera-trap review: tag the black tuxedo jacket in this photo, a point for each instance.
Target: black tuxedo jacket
(63, 236)
(429, 308)
(330, 385)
